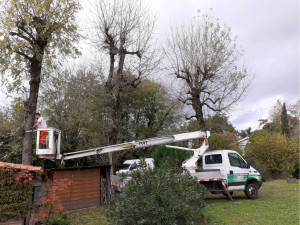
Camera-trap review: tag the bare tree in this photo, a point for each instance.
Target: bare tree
(125, 31)
(204, 56)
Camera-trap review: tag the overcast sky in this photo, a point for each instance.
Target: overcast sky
(268, 31)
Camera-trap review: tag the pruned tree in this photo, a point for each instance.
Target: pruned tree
(205, 57)
(124, 30)
(32, 34)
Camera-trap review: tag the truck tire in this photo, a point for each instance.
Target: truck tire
(251, 191)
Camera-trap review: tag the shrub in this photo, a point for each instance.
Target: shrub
(15, 193)
(164, 195)
(275, 152)
(50, 206)
(59, 220)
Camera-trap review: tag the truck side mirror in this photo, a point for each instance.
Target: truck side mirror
(248, 165)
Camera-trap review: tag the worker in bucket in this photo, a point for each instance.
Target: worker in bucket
(41, 124)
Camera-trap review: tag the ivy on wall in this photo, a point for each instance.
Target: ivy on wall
(15, 193)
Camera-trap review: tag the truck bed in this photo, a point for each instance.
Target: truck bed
(207, 175)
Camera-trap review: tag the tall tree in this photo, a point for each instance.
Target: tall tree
(285, 129)
(125, 29)
(204, 56)
(32, 34)
(219, 123)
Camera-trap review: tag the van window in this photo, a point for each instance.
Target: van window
(213, 159)
(133, 166)
(236, 160)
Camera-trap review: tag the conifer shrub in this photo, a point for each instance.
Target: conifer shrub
(164, 195)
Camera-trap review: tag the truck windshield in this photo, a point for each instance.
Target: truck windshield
(125, 166)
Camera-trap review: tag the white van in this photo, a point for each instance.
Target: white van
(131, 165)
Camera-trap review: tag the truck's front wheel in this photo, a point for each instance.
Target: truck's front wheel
(251, 191)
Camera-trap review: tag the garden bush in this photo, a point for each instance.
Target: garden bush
(15, 193)
(165, 195)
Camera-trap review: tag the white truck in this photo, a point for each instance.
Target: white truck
(221, 171)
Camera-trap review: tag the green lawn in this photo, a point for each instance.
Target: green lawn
(277, 203)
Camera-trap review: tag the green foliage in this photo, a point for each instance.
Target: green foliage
(216, 142)
(274, 151)
(272, 127)
(258, 133)
(15, 194)
(152, 110)
(219, 123)
(37, 30)
(11, 119)
(224, 141)
(284, 121)
(163, 195)
(245, 133)
(161, 154)
(62, 219)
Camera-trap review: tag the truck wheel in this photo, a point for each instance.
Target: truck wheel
(251, 191)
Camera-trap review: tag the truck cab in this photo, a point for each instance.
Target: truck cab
(234, 170)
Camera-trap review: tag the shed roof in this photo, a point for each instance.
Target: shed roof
(36, 169)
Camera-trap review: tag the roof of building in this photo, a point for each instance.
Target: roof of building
(36, 169)
(243, 139)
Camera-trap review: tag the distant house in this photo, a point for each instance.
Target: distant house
(242, 144)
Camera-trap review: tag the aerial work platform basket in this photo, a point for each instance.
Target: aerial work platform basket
(48, 143)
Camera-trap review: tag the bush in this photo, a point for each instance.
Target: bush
(274, 151)
(15, 193)
(59, 220)
(165, 195)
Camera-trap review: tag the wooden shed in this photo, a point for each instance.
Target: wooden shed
(89, 187)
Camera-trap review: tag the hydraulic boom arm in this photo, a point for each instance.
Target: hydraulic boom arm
(53, 154)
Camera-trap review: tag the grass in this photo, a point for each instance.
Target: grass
(277, 203)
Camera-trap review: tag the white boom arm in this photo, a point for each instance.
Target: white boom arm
(51, 154)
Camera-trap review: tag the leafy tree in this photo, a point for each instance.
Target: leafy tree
(272, 127)
(226, 140)
(163, 195)
(245, 133)
(284, 121)
(219, 123)
(204, 56)
(292, 119)
(32, 33)
(275, 151)
(153, 110)
(11, 120)
(75, 103)
(162, 153)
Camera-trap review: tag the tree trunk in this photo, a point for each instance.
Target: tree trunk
(30, 109)
(117, 110)
(197, 106)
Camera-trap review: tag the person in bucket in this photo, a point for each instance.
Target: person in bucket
(41, 124)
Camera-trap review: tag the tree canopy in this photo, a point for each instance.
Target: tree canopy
(204, 57)
(32, 34)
